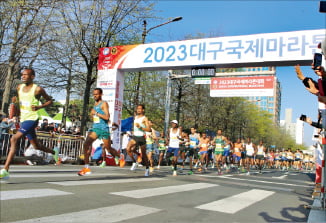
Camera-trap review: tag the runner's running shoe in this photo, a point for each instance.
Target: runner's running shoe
(175, 173)
(190, 172)
(4, 174)
(116, 159)
(103, 164)
(146, 172)
(56, 155)
(133, 167)
(122, 161)
(84, 171)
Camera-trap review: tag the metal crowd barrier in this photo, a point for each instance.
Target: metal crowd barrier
(70, 145)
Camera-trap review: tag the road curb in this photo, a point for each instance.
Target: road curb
(316, 214)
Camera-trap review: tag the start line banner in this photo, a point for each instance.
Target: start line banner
(272, 49)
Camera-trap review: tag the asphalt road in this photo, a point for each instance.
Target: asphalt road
(112, 194)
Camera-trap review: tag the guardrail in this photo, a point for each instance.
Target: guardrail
(70, 145)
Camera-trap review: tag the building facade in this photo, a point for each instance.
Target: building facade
(294, 129)
(271, 104)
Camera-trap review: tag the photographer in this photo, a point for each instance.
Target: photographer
(310, 122)
(316, 87)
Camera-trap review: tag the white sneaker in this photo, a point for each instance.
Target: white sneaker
(248, 173)
(175, 173)
(133, 167)
(146, 172)
(29, 163)
(158, 167)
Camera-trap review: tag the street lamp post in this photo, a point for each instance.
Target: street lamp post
(167, 102)
(144, 34)
(170, 77)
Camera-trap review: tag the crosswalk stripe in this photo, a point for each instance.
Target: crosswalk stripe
(151, 192)
(252, 180)
(280, 177)
(237, 202)
(18, 194)
(114, 213)
(88, 182)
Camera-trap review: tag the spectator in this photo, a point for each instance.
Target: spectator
(50, 127)
(44, 125)
(126, 137)
(77, 131)
(5, 125)
(15, 126)
(14, 108)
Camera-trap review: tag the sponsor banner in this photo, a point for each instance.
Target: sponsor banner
(112, 83)
(106, 79)
(246, 50)
(242, 86)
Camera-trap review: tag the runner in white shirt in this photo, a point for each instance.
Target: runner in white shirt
(260, 155)
(174, 138)
(250, 152)
(141, 126)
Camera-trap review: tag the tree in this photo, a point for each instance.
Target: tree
(23, 25)
(99, 23)
(60, 66)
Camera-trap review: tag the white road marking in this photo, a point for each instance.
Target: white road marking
(19, 194)
(113, 181)
(237, 202)
(116, 213)
(280, 177)
(252, 180)
(151, 192)
(74, 174)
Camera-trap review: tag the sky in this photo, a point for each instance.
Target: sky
(233, 18)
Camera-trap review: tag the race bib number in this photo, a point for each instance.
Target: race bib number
(218, 146)
(96, 119)
(25, 105)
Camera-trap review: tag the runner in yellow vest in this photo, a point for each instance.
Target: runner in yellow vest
(29, 102)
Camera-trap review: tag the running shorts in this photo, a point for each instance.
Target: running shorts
(226, 153)
(140, 140)
(218, 152)
(149, 148)
(173, 150)
(28, 128)
(260, 157)
(101, 133)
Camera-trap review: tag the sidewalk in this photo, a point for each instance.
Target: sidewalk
(316, 215)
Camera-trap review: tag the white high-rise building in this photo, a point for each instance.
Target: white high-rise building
(294, 129)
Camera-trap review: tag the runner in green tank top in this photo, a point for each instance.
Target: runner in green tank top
(161, 149)
(219, 142)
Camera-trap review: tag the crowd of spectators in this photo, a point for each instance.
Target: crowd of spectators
(57, 128)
